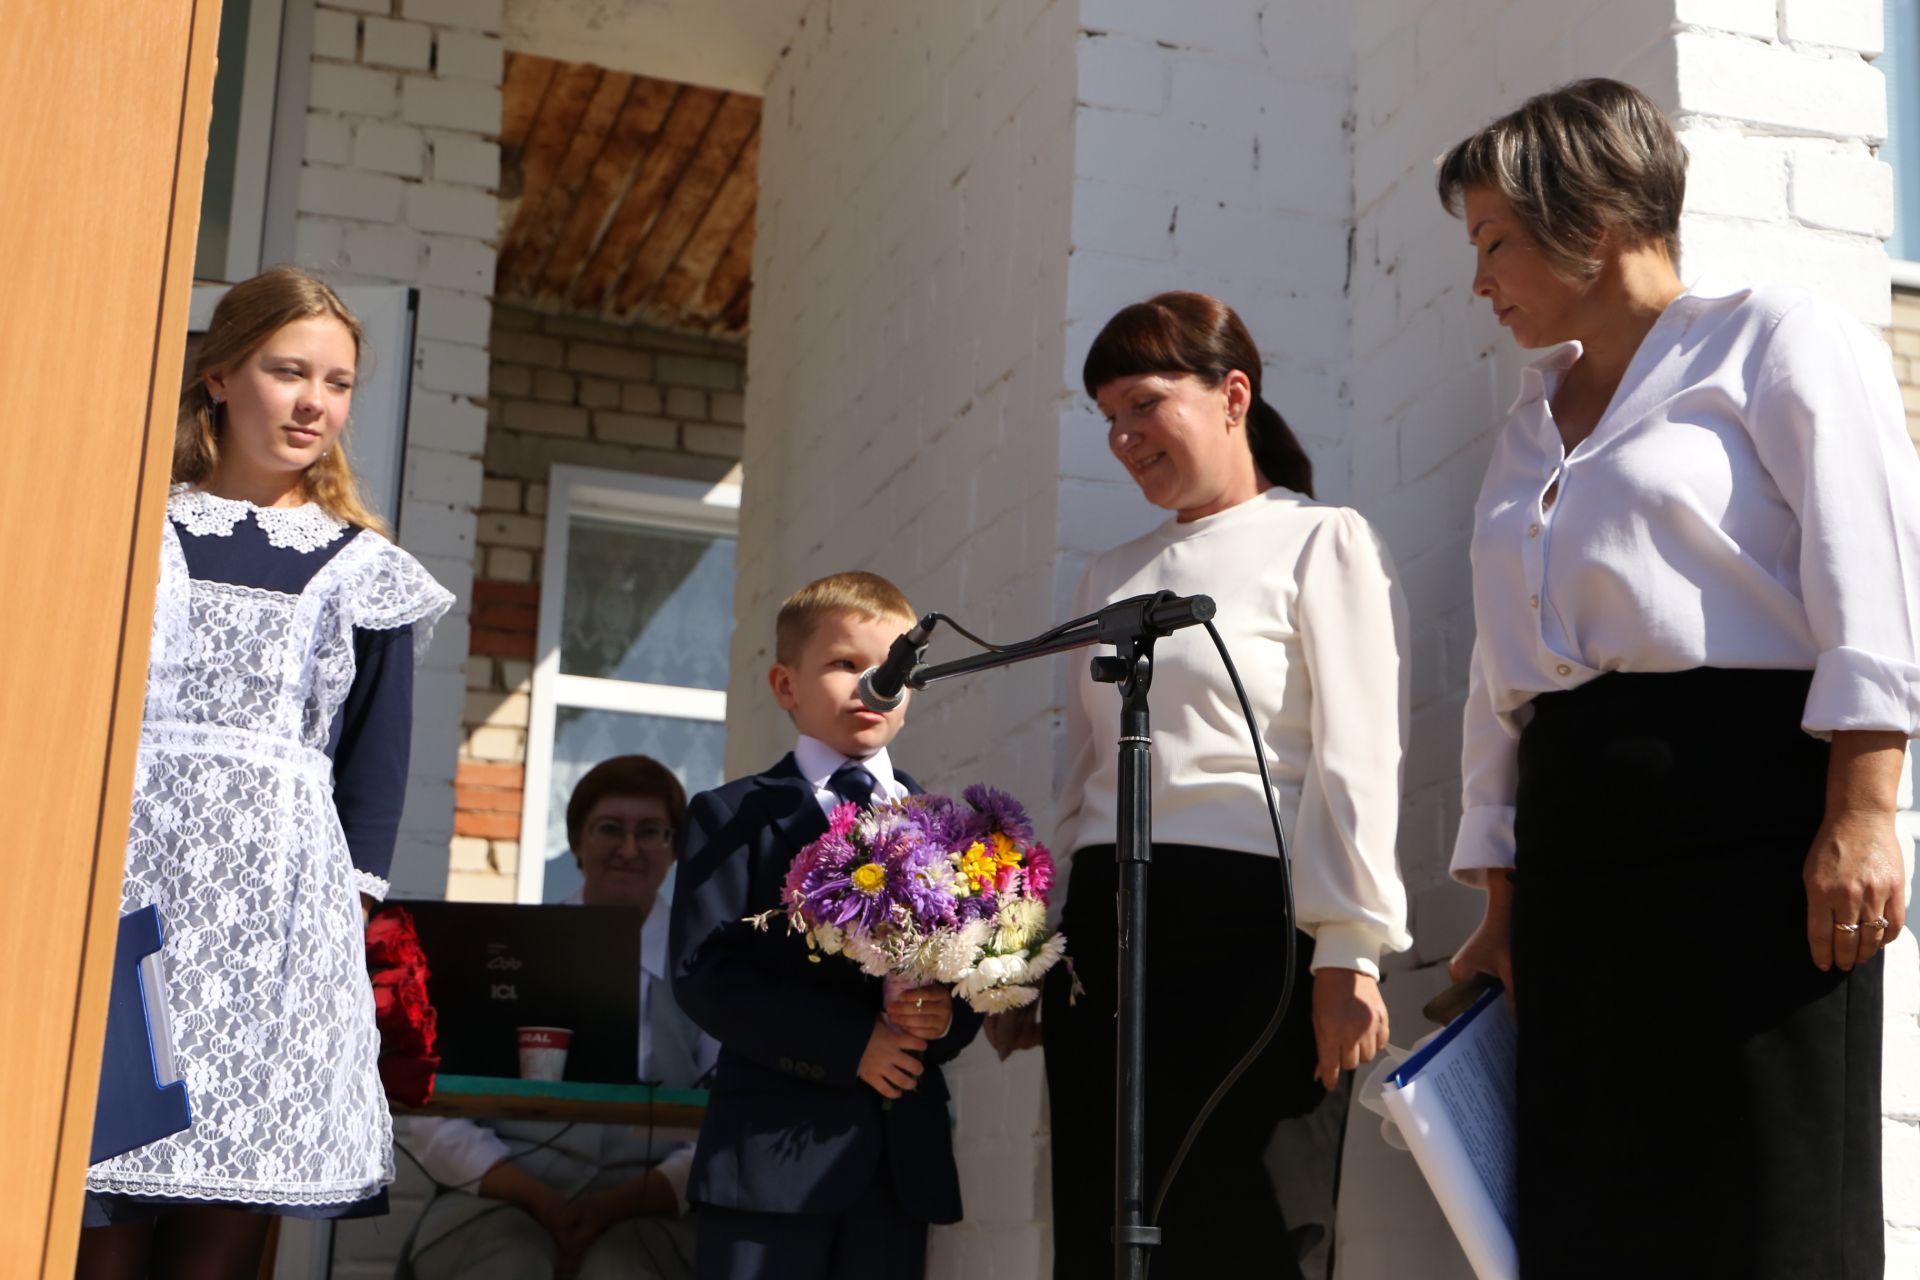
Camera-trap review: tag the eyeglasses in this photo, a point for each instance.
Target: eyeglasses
(647, 835)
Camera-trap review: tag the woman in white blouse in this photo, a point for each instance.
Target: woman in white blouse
(1696, 566)
(1310, 610)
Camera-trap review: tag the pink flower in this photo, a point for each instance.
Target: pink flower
(1039, 871)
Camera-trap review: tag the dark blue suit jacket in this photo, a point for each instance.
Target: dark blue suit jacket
(790, 1126)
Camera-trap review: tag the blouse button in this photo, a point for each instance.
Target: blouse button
(1534, 602)
(1533, 531)
(1563, 670)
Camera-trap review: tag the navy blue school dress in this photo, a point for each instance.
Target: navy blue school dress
(267, 795)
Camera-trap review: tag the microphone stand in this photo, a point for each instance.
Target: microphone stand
(1131, 627)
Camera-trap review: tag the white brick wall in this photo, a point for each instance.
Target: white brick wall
(396, 193)
(910, 284)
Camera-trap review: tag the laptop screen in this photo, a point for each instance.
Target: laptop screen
(497, 967)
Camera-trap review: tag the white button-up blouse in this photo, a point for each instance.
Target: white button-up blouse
(1749, 499)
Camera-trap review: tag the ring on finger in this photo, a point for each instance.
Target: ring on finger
(1878, 922)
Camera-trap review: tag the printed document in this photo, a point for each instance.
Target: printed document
(1453, 1102)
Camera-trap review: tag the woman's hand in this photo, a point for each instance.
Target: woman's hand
(1013, 1030)
(1349, 1022)
(1490, 949)
(1854, 875)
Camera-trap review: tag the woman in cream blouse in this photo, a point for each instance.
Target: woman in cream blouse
(1310, 610)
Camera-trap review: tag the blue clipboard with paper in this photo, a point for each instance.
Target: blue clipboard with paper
(141, 1099)
(1453, 1102)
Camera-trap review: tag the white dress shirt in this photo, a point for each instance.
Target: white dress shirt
(1749, 499)
(818, 762)
(457, 1152)
(1310, 611)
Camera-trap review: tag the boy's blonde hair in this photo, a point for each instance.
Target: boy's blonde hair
(250, 313)
(867, 594)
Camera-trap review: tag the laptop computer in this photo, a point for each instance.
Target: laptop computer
(496, 967)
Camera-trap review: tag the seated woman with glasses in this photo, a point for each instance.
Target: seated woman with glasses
(529, 1200)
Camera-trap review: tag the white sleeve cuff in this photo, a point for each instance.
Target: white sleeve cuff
(675, 1166)
(370, 884)
(1346, 946)
(1485, 843)
(1854, 689)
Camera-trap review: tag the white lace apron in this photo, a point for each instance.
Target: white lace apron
(234, 836)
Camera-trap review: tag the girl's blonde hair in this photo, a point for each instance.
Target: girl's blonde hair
(250, 313)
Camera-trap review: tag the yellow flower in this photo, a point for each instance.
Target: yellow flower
(1003, 849)
(979, 866)
(870, 878)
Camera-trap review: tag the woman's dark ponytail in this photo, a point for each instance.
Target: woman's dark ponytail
(1201, 335)
(1276, 450)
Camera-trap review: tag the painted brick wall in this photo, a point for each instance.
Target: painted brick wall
(574, 391)
(910, 283)
(397, 187)
(1903, 335)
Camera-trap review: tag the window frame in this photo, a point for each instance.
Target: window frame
(1903, 92)
(660, 502)
(275, 38)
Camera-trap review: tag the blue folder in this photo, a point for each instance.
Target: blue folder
(1413, 1066)
(135, 1107)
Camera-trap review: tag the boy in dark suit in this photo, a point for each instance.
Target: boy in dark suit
(826, 1149)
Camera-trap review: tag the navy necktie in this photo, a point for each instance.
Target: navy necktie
(852, 783)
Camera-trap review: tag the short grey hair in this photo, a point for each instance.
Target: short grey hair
(1589, 158)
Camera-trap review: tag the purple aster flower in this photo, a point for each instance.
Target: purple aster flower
(1002, 812)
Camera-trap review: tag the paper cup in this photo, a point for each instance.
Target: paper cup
(543, 1052)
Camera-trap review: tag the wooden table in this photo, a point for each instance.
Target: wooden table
(504, 1098)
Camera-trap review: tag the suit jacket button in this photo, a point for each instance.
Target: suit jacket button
(786, 1064)
(819, 1072)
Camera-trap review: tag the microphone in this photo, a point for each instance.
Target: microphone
(880, 687)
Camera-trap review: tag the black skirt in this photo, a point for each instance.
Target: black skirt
(1213, 979)
(1696, 1099)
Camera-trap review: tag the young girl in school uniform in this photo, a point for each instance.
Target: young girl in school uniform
(267, 796)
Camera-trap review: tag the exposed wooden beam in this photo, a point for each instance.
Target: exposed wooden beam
(730, 276)
(692, 113)
(523, 90)
(732, 204)
(554, 123)
(633, 136)
(732, 126)
(518, 276)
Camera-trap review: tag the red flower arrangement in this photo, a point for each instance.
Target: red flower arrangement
(397, 964)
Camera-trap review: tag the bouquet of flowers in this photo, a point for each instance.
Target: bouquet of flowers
(408, 1025)
(923, 891)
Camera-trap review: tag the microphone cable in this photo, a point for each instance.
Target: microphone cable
(1290, 949)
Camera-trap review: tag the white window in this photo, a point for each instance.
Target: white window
(247, 111)
(1901, 63)
(636, 619)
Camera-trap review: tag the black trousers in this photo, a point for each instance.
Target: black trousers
(874, 1240)
(1696, 1099)
(1213, 978)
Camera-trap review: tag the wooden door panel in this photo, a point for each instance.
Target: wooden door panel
(107, 106)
